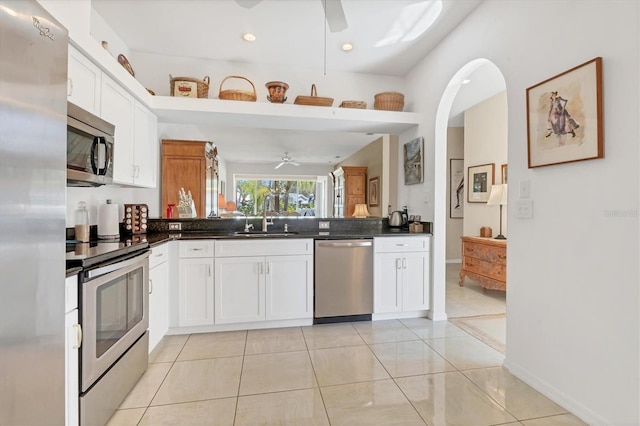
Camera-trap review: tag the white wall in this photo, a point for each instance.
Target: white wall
(573, 300)
(455, 149)
(370, 157)
(485, 126)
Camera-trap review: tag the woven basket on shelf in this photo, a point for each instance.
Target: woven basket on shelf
(189, 87)
(314, 99)
(389, 101)
(353, 104)
(237, 95)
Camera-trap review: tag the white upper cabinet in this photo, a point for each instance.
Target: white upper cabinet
(136, 139)
(83, 84)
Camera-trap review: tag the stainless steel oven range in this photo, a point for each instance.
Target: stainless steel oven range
(113, 310)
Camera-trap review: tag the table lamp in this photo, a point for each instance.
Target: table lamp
(498, 196)
(361, 211)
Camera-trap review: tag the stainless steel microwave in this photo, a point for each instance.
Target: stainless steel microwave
(90, 146)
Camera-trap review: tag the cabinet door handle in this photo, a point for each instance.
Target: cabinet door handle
(268, 268)
(150, 286)
(209, 270)
(261, 268)
(69, 86)
(398, 263)
(78, 336)
(137, 171)
(404, 263)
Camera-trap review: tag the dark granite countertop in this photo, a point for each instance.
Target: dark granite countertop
(157, 238)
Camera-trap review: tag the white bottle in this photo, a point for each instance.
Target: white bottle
(82, 222)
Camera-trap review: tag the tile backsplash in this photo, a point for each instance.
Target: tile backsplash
(118, 195)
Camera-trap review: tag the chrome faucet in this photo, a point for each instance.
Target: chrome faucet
(265, 221)
(247, 226)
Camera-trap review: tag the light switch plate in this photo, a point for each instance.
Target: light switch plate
(524, 209)
(525, 187)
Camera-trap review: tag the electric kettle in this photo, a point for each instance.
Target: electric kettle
(398, 219)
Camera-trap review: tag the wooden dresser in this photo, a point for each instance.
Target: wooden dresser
(484, 260)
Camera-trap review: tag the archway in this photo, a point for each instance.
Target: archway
(438, 294)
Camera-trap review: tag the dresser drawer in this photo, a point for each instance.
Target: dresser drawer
(485, 252)
(495, 271)
(400, 244)
(196, 248)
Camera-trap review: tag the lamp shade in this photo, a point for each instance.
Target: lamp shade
(498, 195)
(222, 203)
(231, 206)
(361, 211)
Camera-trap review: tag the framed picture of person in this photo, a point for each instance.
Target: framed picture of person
(374, 192)
(480, 179)
(456, 188)
(564, 117)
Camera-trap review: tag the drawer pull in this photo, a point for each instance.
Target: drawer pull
(196, 249)
(402, 244)
(159, 254)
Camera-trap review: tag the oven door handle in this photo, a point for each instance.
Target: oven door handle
(117, 265)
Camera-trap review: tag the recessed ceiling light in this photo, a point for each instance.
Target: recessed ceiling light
(249, 37)
(347, 47)
(466, 81)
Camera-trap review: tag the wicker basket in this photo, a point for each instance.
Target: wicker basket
(237, 95)
(189, 87)
(389, 101)
(314, 99)
(354, 104)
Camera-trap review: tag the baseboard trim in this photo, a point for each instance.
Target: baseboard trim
(554, 394)
(437, 317)
(453, 261)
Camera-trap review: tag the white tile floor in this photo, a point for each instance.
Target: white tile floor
(401, 372)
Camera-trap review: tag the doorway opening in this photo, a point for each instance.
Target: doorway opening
(479, 90)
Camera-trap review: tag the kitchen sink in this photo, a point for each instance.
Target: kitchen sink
(258, 234)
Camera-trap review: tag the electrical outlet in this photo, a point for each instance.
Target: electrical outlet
(524, 209)
(175, 226)
(323, 225)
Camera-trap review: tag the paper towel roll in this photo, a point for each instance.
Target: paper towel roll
(108, 225)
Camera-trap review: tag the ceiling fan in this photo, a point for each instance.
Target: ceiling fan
(286, 160)
(333, 12)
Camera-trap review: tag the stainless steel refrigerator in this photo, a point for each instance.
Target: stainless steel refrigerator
(33, 105)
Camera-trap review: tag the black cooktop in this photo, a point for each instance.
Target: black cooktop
(98, 251)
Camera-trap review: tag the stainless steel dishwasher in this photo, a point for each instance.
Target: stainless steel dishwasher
(343, 280)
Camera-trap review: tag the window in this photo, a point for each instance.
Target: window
(279, 195)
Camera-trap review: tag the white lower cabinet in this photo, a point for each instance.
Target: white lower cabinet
(195, 283)
(253, 285)
(402, 274)
(72, 342)
(158, 294)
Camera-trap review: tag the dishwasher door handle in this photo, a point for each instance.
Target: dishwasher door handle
(354, 244)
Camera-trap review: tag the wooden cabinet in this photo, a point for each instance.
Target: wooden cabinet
(195, 283)
(350, 188)
(185, 165)
(484, 260)
(83, 84)
(263, 280)
(72, 341)
(158, 294)
(402, 274)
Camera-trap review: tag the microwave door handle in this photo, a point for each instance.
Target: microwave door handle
(102, 156)
(95, 143)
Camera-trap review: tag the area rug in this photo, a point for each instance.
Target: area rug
(489, 329)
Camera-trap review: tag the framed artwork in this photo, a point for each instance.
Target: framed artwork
(413, 152)
(374, 200)
(480, 180)
(456, 188)
(564, 117)
(503, 172)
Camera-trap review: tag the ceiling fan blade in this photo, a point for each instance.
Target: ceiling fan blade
(280, 165)
(293, 163)
(248, 4)
(335, 15)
